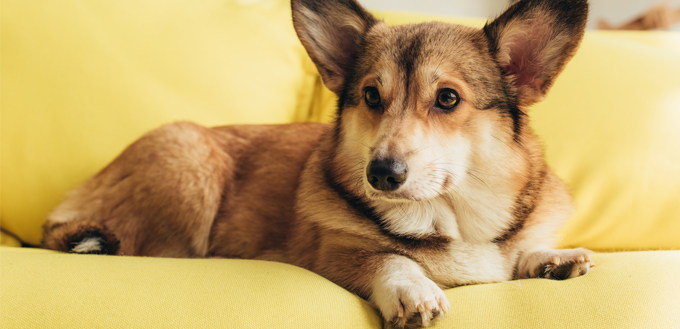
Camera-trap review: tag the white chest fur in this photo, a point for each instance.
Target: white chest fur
(472, 257)
(472, 213)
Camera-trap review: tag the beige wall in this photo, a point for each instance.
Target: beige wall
(615, 11)
(466, 8)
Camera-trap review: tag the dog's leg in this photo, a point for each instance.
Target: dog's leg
(158, 198)
(396, 285)
(405, 296)
(556, 264)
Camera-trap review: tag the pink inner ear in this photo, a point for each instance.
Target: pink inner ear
(526, 45)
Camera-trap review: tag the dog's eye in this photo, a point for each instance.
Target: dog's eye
(447, 99)
(372, 97)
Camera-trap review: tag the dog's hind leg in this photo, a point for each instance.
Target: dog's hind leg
(158, 198)
(80, 237)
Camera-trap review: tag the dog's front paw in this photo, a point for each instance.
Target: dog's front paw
(413, 303)
(559, 264)
(569, 264)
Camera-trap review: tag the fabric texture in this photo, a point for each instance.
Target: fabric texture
(44, 289)
(624, 290)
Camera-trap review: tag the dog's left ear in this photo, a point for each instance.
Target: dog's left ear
(331, 31)
(533, 40)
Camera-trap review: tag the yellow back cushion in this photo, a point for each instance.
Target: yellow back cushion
(611, 128)
(83, 79)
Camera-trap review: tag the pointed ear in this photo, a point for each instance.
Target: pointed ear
(330, 31)
(533, 41)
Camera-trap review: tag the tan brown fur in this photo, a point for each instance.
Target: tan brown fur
(478, 203)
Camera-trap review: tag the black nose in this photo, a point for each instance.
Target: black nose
(386, 174)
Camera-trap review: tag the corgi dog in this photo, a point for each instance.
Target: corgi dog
(429, 178)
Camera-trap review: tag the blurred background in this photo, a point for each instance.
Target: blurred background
(643, 14)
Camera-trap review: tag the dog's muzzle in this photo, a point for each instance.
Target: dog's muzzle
(386, 174)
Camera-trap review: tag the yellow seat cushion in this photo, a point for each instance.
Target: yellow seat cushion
(610, 129)
(83, 79)
(44, 289)
(624, 290)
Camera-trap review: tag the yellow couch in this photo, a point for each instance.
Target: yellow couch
(81, 79)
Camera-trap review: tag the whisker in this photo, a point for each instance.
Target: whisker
(412, 153)
(502, 141)
(485, 184)
(360, 142)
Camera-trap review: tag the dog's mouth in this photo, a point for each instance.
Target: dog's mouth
(414, 189)
(405, 193)
(390, 196)
(391, 179)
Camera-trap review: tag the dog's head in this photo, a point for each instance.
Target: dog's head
(422, 107)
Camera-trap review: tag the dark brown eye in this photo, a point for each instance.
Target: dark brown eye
(447, 99)
(372, 97)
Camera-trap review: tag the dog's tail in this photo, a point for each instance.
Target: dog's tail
(80, 237)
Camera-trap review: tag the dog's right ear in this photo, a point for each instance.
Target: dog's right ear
(330, 31)
(533, 41)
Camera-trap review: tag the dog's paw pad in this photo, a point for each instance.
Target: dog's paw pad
(424, 317)
(421, 309)
(568, 264)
